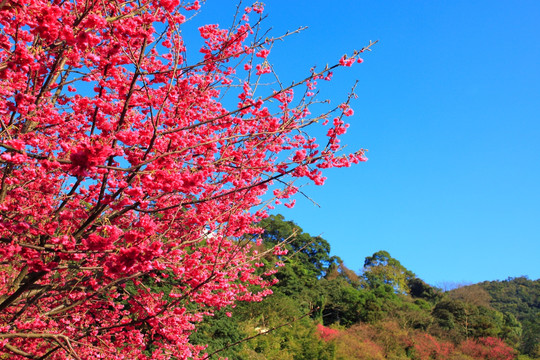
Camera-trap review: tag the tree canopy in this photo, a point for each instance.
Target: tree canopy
(382, 269)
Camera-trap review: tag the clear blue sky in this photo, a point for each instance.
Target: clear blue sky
(449, 108)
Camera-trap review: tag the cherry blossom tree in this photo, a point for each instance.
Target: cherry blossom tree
(132, 180)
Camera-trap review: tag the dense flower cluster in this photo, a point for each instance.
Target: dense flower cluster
(128, 186)
(488, 348)
(388, 340)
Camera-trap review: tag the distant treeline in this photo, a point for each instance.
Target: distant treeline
(320, 309)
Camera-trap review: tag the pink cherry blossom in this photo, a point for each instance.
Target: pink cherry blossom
(130, 187)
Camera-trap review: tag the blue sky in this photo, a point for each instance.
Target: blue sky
(449, 108)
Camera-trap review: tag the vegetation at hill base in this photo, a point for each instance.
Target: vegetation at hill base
(320, 309)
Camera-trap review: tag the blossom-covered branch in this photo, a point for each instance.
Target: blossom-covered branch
(129, 176)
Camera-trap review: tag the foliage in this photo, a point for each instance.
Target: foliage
(488, 348)
(376, 322)
(426, 347)
(336, 316)
(298, 339)
(381, 268)
(356, 343)
(326, 333)
(419, 289)
(132, 179)
(219, 330)
(313, 252)
(518, 296)
(519, 301)
(531, 336)
(473, 294)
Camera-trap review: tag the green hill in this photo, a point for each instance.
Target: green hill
(322, 310)
(515, 297)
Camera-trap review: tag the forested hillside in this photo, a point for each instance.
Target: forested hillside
(517, 297)
(320, 309)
